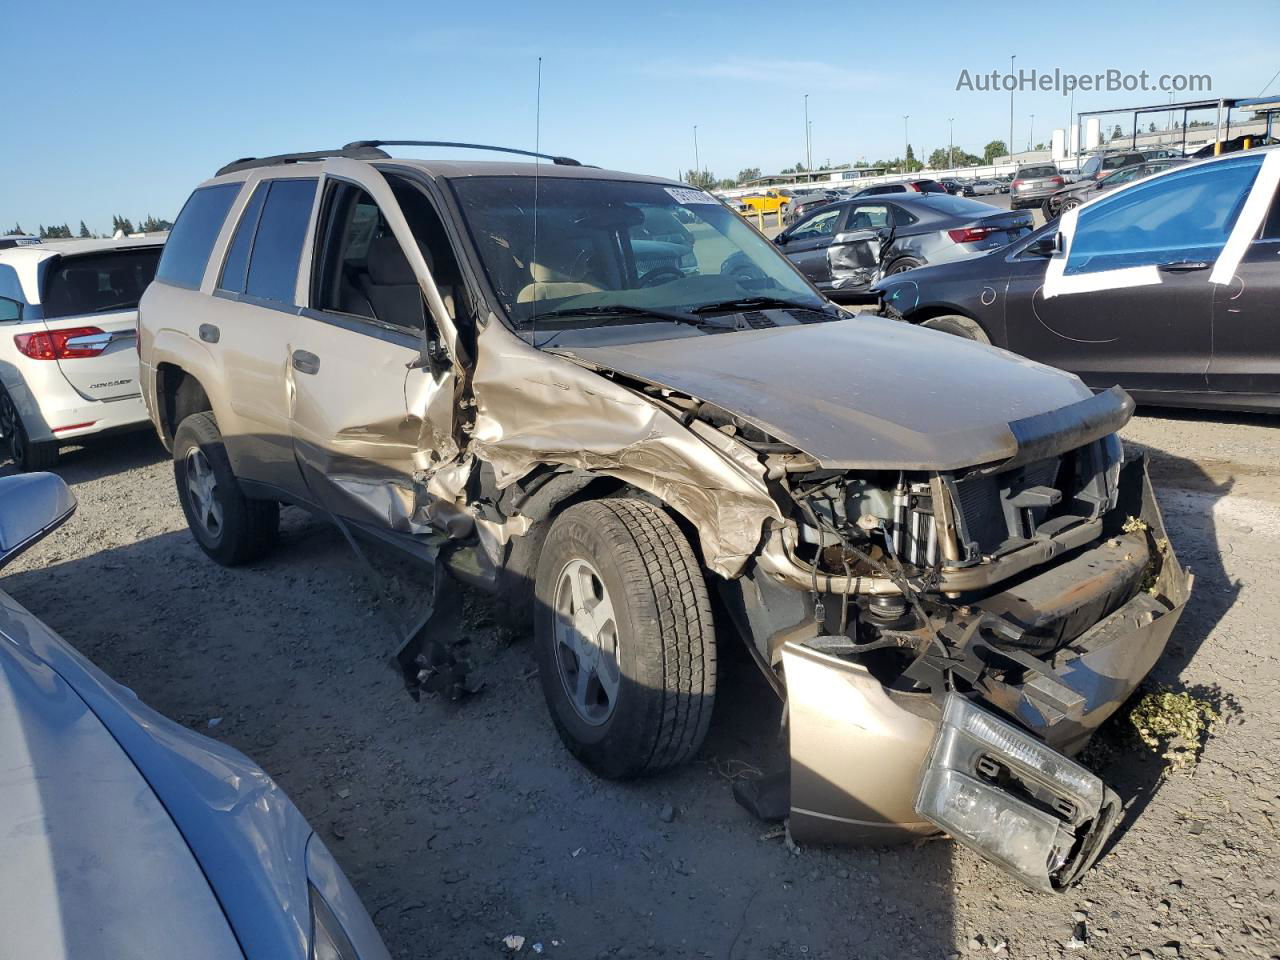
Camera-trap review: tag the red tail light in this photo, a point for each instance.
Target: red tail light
(52, 344)
(1016, 184)
(971, 234)
(915, 187)
(1058, 181)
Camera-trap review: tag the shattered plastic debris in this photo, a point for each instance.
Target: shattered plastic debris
(514, 942)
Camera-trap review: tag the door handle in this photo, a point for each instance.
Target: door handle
(1184, 266)
(305, 362)
(209, 333)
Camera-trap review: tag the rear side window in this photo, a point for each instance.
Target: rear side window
(236, 267)
(277, 245)
(9, 285)
(187, 250)
(98, 282)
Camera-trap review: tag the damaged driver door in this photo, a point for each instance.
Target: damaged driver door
(373, 379)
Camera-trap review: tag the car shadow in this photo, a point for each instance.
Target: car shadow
(1187, 493)
(94, 458)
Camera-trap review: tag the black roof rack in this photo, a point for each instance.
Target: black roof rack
(354, 151)
(374, 144)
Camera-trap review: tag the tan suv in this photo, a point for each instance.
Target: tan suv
(609, 399)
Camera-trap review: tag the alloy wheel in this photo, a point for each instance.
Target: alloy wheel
(202, 487)
(586, 642)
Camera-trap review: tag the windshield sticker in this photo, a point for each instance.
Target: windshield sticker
(687, 195)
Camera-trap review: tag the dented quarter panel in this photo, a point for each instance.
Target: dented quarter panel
(861, 393)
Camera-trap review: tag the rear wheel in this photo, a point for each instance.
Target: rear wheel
(624, 638)
(1070, 203)
(958, 326)
(24, 454)
(903, 264)
(230, 527)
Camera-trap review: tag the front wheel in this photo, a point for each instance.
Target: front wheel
(25, 455)
(230, 528)
(624, 638)
(958, 326)
(1070, 203)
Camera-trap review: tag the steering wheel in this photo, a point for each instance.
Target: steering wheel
(660, 275)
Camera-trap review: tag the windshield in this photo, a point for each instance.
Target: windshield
(602, 244)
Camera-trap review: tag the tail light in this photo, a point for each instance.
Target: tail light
(65, 344)
(916, 187)
(1057, 181)
(971, 234)
(1016, 184)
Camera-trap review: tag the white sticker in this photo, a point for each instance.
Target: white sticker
(687, 195)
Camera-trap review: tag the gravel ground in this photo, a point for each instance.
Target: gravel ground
(461, 823)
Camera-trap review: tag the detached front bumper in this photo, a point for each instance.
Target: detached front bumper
(990, 767)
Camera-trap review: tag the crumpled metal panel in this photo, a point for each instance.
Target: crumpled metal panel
(536, 408)
(854, 264)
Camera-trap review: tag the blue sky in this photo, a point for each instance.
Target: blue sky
(124, 106)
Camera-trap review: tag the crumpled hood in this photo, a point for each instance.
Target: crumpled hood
(863, 393)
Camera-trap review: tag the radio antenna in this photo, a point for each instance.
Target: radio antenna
(537, 148)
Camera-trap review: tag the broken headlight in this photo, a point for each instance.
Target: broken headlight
(1013, 799)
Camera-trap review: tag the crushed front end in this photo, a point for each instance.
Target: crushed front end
(948, 640)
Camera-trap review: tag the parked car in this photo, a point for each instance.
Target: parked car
(68, 363)
(1032, 185)
(1231, 146)
(952, 186)
(980, 188)
(912, 533)
(124, 834)
(770, 201)
(1073, 195)
(1164, 286)
(807, 202)
(842, 247)
(1100, 164)
(902, 186)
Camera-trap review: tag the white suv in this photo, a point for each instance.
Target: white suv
(68, 339)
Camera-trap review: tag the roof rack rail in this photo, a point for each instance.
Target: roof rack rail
(357, 151)
(366, 144)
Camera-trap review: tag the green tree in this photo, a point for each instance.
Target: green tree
(1116, 132)
(748, 173)
(700, 178)
(17, 231)
(84, 231)
(938, 160)
(121, 223)
(996, 148)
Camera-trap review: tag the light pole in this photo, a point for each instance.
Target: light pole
(951, 142)
(696, 163)
(808, 136)
(1012, 83)
(906, 141)
(1031, 133)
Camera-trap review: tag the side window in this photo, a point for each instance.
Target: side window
(822, 225)
(1270, 226)
(901, 218)
(186, 252)
(362, 270)
(236, 267)
(277, 244)
(9, 284)
(868, 216)
(1182, 216)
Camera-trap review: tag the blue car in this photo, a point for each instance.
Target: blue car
(123, 834)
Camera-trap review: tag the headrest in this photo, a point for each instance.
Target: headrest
(387, 264)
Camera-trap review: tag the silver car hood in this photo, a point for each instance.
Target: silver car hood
(861, 393)
(93, 864)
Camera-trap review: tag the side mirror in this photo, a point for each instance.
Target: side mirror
(1045, 245)
(31, 505)
(781, 238)
(10, 310)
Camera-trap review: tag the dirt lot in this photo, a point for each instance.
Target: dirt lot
(460, 823)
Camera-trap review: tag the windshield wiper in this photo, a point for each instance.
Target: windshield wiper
(754, 303)
(615, 310)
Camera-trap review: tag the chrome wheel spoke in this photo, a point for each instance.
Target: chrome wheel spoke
(586, 637)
